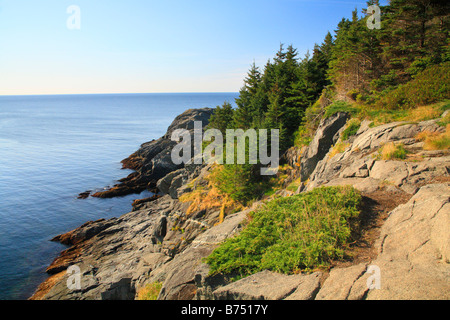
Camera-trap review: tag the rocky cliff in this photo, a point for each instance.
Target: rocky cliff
(153, 159)
(406, 236)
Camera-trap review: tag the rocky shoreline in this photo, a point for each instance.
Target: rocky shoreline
(407, 210)
(152, 161)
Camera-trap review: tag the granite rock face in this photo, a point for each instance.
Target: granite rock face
(360, 164)
(148, 245)
(267, 285)
(323, 140)
(160, 242)
(413, 255)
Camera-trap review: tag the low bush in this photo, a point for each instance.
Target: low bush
(429, 86)
(341, 106)
(291, 234)
(150, 291)
(391, 151)
(352, 128)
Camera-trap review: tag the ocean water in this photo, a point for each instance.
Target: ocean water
(54, 147)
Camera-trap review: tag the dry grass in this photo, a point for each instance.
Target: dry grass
(209, 197)
(435, 140)
(391, 151)
(150, 291)
(421, 113)
(387, 150)
(424, 113)
(201, 199)
(222, 213)
(339, 148)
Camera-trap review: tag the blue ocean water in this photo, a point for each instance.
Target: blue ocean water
(54, 147)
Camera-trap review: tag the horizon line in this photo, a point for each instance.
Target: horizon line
(106, 93)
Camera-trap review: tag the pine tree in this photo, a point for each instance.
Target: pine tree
(415, 36)
(222, 119)
(248, 112)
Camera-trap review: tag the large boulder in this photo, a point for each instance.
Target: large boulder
(324, 138)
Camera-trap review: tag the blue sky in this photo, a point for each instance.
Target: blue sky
(152, 46)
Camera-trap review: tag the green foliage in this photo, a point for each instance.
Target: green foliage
(314, 113)
(340, 106)
(388, 72)
(302, 137)
(290, 234)
(222, 118)
(242, 182)
(352, 128)
(431, 85)
(399, 153)
(441, 143)
(294, 185)
(423, 113)
(275, 98)
(391, 151)
(413, 37)
(445, 106)
(444, 121)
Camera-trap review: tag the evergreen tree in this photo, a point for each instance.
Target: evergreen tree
(415, 35)
(249, 111)
(222, 119)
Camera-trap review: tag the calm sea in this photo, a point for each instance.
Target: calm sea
(54, 147)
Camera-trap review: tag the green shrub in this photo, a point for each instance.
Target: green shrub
(444, 121)
(302, 137)
(290, 234)
(242, 182)
(352, 128)
(391, 151)
(430, 85)
(340, 106)
(352, 94)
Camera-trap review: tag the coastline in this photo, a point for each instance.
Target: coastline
(152, 243)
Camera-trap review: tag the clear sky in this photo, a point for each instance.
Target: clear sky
(152, 46)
